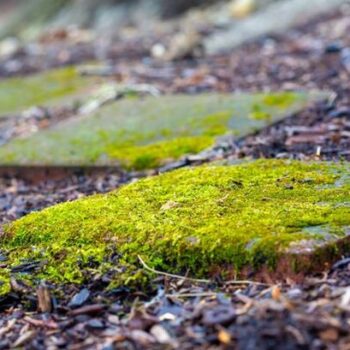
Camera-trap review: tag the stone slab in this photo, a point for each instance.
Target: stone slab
(146, 133)
(280, 217)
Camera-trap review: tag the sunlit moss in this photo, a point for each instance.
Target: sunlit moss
(153, 155)
(280, 100)
(187, 220)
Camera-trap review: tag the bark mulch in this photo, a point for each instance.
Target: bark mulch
(313, 313)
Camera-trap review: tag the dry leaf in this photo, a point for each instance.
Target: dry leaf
(224, 337)
(169, 205)
(329, 335)
(44, 299)
(8, 327)
(24, 338)
(142, 337)
(162, 336)
(345, 300)
(276, 293)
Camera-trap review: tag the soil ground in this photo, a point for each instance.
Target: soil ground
(174, 312)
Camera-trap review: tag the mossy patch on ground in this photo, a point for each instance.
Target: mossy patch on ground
(190, 220)
(146, 133)
(17, 94)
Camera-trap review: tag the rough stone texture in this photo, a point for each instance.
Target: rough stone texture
(147, 133)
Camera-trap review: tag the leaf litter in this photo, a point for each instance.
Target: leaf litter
(309, 314)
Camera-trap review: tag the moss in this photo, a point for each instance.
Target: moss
(262, 109)
(280, 100)
(153, 155)
(148, 132)
(17, 94)
(258, 113)
(190, 219)
(5, 286)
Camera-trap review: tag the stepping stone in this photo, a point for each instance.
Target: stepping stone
(280, 217)
(147, 133)
(51, 87)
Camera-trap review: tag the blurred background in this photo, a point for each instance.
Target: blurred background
(27, 19)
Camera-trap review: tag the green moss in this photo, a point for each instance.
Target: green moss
(5, 286)
(258, 113)
(190, 219)
(142, 155)
(148, 132)
(153, 155)
(262, 109)
(17, 94)
(280, 100)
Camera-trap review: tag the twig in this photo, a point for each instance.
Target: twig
(227, 283)
(191, 295)
(170, 274)
(195, 279)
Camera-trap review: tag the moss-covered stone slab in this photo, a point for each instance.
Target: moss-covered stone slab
(55, 86)
(284, 216)
(147, 133)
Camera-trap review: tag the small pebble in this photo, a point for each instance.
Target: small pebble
(340, 112)
(294, 293)
(95, 324)
(80, 298)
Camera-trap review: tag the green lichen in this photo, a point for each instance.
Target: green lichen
(187, 220)
(148, 132)
(17, 94)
